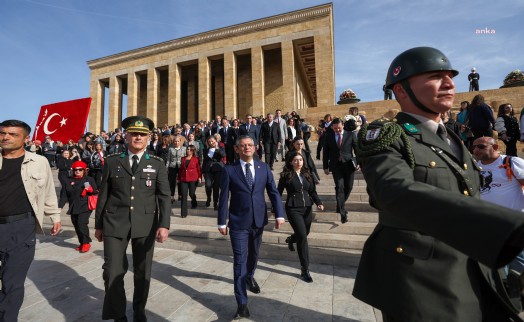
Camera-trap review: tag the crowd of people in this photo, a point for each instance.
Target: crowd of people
(411, 164)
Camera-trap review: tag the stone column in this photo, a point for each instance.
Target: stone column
(96, 113)
(152, 95)
(204, 98)
(173, 93)
(258, 81)
(324, 67)
(288, 77)
(230, 85)
(132, 94)
(115, 103)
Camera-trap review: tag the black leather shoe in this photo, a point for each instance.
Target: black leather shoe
(290, 244)
(344, 218)
(242, 312)
(252, 285)
(215, 207)
(208, 202)
(124, 319)
(306, 277)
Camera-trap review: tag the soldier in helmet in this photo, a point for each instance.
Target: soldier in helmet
(436, 242)
(133, 204)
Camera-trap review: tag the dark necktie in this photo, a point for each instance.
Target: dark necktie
(339, 141)
(135, 163)
(249, 176)
(248, 128)
(441, 132)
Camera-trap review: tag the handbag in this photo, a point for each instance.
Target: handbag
(91, 202)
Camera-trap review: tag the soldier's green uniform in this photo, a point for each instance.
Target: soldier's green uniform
(428, 257)
(131, 206)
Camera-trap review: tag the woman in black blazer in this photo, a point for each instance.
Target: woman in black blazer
(293, 131)
(298, 145)
(212, 168)
(301, 194)
(78, 188)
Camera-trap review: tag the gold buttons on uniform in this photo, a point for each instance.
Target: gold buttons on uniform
(131, 207)
(133, 178)
(466, 192)
(465, 166)
(132, 198)
(432, 164)
(399, 250)
(132, 188)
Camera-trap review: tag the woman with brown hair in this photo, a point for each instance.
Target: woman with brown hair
(189, 175)
(78, 188)
(301, 194)
(507, 127)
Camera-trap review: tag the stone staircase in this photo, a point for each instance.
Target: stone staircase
(330, 242)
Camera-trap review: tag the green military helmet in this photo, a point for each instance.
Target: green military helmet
(416, 61)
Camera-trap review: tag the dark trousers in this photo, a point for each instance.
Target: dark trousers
(213, 185)
(300, 219)
(115, 267)
(511, 147)
(270, 150)
(80, 222)
(306, 137)
(245, 244)
(172, 174)
(97, 175)
(343, 176)
(51, 158)
(62, 199)
(185, 188)
(17, 251)
(320, 146)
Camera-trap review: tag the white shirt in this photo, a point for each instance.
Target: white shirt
(130, 157)
(252, 168)
(498, 188)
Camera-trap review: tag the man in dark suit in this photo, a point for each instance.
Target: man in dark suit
(224, 138)
(251, 130)
(217, 124)
(339, 160)
(186, 130)
(133, 204)
(429, 258)
(246, 182)
(271, 139)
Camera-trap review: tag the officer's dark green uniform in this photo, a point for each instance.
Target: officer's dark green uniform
(127, 209)
(422, 261)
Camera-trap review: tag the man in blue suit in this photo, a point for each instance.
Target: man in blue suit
(246, 180)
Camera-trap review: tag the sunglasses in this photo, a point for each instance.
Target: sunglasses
(481, 146)
(79, 169)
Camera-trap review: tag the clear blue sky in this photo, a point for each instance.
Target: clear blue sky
(45, 43)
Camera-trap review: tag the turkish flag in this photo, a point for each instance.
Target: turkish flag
(62, 121)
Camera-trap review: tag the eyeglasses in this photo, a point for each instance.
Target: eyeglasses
(481, 146)
(78, 169)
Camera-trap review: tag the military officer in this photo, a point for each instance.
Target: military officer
(133, 204)
(430, 256)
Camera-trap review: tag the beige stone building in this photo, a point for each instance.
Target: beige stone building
(284, 61)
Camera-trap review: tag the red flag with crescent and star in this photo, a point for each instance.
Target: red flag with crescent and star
(62, 121)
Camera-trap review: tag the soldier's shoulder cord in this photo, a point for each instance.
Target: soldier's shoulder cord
(379, 135)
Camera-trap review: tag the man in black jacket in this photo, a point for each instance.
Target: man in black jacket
(339, 160)
(271, 138)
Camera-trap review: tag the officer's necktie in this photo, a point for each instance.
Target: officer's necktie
(339, 141)
(441, 132)
(249, 176)
(135, 163)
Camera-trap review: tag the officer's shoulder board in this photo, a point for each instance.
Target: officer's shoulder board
(154, 157)
(378, 130)
(112, 155)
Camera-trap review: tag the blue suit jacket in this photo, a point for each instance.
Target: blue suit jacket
(246, 205)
